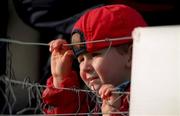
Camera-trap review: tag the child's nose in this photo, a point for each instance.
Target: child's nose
(87, 67)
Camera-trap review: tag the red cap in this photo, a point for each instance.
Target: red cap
(107, 22)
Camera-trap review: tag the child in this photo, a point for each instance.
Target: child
(105, 66)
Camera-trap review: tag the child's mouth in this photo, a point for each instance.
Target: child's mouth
(92, 76)
(94, 83)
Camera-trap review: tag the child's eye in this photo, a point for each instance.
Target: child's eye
(80, 59)
(95, 54)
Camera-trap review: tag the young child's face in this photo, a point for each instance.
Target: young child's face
(104, 66)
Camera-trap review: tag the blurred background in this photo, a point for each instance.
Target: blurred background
(43, 21)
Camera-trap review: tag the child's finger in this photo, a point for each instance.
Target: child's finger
(68, 55)
(58, 44)
(102, 92)
(107, 93)
(50, 46)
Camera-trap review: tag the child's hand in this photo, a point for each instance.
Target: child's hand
(61, 60)
(110, 101)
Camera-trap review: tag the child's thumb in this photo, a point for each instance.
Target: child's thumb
(68, 56)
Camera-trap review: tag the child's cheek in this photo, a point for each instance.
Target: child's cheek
(83, 76)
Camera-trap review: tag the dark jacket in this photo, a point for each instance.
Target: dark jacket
(53, 17)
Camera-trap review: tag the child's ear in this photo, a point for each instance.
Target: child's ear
(129, 57)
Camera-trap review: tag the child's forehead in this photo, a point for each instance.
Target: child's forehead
(94, 52)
